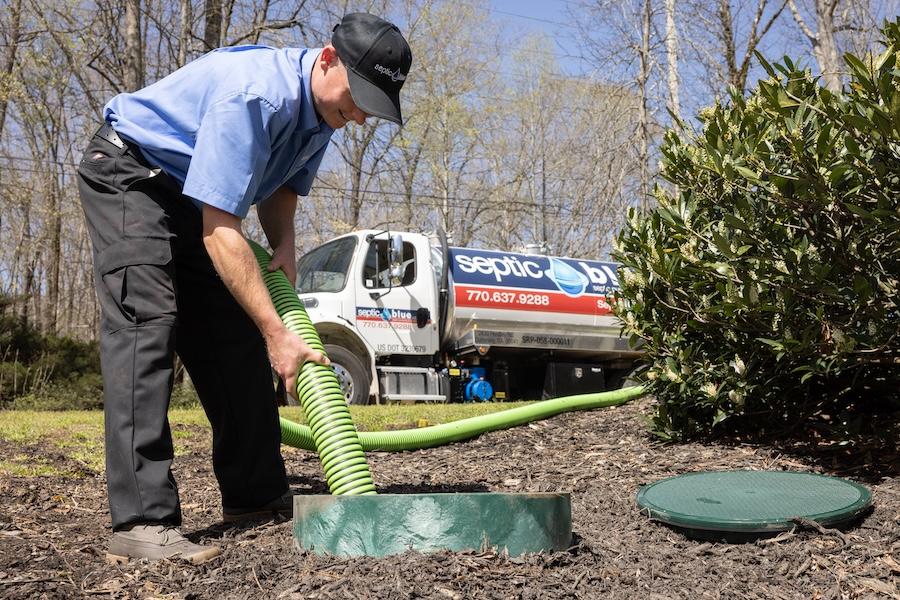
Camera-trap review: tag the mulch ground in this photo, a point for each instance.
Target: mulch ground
(53, 530)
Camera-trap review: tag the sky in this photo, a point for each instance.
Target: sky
(558, 20)
(550, 17)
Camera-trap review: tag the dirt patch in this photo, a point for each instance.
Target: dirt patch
(53, 530)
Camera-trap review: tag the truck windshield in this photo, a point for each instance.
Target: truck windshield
(325, 268)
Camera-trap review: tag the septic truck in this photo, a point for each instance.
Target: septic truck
(404, 317)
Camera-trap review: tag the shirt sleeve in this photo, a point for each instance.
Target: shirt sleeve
(302, 180)
(231, 150)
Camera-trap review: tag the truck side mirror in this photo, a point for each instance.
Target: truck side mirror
(396, 251)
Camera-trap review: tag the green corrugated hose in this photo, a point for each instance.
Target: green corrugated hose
(331, 430)
(300, 436)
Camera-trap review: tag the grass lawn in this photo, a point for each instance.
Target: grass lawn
(79, 434)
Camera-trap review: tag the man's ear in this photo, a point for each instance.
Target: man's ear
(328, 57)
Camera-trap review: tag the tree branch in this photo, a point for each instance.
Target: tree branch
(801, 23)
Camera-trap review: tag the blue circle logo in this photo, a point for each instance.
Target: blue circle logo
(567, 278)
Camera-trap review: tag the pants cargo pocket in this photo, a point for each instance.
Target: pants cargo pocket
(137, 284)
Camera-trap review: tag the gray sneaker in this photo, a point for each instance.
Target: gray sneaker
(156, 542)
(282, 506)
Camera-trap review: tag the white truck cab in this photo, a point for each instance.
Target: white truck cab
(406, 318)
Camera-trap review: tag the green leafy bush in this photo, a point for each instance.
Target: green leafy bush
(47, 372)
(765, 288)
(184, 395)
(81, 392)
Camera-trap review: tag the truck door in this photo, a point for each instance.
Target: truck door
(396, 308)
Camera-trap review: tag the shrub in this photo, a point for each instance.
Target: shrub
(46, 372)
(184, 395)
(765, 286)
(82, 392)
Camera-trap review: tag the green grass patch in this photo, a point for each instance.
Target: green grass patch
(80, 432)
(21, 465)
(407, 416)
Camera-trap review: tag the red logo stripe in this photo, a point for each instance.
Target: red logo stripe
(530, 300)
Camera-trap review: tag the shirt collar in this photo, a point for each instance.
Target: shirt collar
(309, 119)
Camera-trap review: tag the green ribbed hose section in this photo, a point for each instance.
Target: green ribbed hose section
(331, 430)
(300, 436)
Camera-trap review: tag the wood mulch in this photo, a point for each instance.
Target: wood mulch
(53, 530)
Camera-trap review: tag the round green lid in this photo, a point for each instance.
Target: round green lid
(752, 501)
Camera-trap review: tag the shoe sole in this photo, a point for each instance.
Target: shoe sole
(197, 559)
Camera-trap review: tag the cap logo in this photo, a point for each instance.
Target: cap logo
(394, 75)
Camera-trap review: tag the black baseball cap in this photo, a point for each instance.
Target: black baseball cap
(377, 58)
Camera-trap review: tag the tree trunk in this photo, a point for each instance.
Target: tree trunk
(824, 45)
(672, 56)
(737, 67)
(54, 257)
(9, 56)
(184, 39)
(356, 200)
(643, 116)
(726, 35)
(134, 53)
(212, 34)
(825, 50)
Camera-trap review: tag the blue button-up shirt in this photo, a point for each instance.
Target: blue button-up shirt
(232, 126)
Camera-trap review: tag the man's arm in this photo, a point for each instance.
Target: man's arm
(276, 215)
(236, 265)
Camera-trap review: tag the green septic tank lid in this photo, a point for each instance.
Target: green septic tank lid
(751, 502)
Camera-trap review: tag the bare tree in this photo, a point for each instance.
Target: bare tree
(134, 47)
(672, 59)
(738, 61)
(212, 32)
(823, 39)
(12, 31)
(567, 166)
(643, 114)
(186, 33)
(623, 40)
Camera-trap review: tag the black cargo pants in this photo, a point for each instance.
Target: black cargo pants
(159, 294)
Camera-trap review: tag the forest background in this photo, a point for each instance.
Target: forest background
(512, 137)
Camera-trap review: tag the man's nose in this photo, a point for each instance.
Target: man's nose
(360, 117)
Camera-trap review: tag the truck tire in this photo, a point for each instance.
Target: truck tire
(351, 372)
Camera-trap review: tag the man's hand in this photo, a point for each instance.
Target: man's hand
(287, 353)
(283, 258)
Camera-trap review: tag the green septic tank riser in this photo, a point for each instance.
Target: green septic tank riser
(389, 524)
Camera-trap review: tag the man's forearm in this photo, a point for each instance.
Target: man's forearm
(276, 215)
(236, 265)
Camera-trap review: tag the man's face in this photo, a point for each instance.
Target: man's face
(332, 97)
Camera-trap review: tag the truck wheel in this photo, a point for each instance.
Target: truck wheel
(351, 373)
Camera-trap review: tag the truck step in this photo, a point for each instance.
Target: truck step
(412, 398)
(410, 384)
